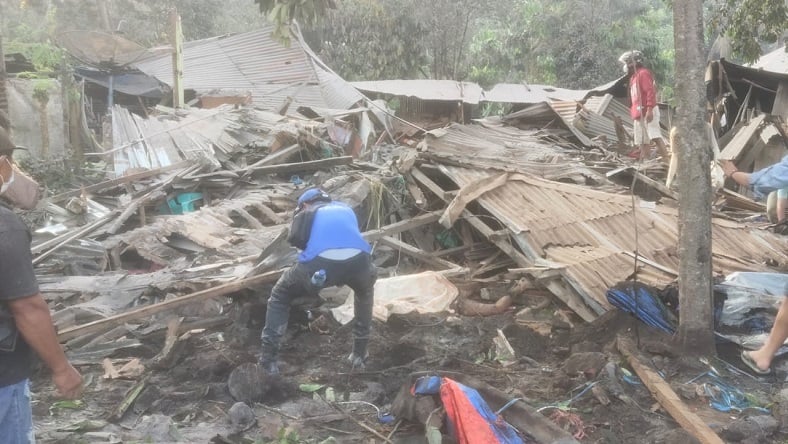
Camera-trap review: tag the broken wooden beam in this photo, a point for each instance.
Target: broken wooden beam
(310, 165)
(657, 185)
(422, 178)
(742, 140)
(153, 194)
(275, 158)
(416, 253)
(164, 358)
(468, 194)
(107, 184)
(403, 225)
(220, 290)
(65, 238)
(666, 397)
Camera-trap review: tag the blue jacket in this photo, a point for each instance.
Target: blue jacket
(334, 225)
(770, 178)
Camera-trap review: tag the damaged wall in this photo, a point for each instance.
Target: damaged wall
(36, 110)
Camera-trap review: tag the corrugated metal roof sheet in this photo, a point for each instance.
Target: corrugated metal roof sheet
(775, 61)
(592, 233)
(256, 63)
(444, 90)
(506, 148)
(168, 139)
(523, 93)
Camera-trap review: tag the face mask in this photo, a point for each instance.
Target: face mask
(7, 183)
(18, 188)
(625, 68)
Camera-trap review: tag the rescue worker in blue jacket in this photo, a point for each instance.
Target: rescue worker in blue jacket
(334, 253)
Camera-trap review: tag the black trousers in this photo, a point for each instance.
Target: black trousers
(358, 272)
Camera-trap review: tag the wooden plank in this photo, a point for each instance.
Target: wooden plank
(403, 225)
(659, 186)
(738, 145)
(287, 167)
(468, 194)
(428, 183)
(275, 158)
(666, 397)
(780, 107)
(151, 195)
(107, 184)
(414, 252)
(220, 290)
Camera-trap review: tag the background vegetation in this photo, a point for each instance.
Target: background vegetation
(567, 43)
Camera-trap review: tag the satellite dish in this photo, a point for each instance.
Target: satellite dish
(101, 50)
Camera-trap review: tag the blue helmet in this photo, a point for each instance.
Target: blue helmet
(313, 195)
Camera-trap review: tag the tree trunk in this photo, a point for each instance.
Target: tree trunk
(3, 92)
(103, 15)
(695, 335)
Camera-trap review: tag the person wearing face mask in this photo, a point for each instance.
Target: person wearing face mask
(643, 105)
(25, 321)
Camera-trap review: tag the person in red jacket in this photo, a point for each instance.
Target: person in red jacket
(643, 108)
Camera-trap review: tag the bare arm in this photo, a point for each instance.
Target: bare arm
(731, 171)
(33, 320)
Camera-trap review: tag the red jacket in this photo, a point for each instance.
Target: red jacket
(642, 92)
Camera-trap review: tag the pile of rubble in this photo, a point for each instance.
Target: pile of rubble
(469, 219)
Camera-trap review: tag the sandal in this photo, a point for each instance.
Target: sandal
(747, 360)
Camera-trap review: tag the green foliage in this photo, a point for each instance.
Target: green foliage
(45, 56)
(357, 41)
(748, 23)
(41, 90)
(282, 13)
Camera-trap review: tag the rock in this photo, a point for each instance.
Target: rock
(757, 428)
(375, 393)
(780, 410)
(585, 347)
(156, 428)
(241, 417)
(673, 436)
(585, 362)
(248, 383)
(687, 391)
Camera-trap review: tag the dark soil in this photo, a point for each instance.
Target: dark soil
(550, 369)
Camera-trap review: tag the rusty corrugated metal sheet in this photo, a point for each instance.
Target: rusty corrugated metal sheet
(592, 234)
(445, 90)
(254, 62)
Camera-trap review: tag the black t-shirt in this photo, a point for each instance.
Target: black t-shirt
(17, 280)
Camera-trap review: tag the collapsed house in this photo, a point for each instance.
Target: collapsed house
(199, 199)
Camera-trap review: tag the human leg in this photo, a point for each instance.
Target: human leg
(16, 417)
(641, 139)
(363, 285)
(287, 288)
(764, 355)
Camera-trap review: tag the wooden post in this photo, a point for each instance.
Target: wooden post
(176, 39)
(666, 397)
